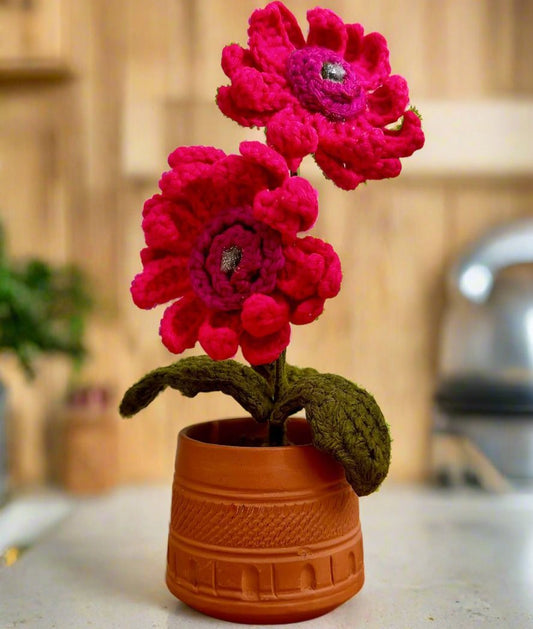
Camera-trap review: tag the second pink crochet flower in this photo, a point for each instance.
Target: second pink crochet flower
(223, 247)
(330, 95)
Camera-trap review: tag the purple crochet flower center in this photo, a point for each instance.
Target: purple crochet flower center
(234, 257)
(340, 97)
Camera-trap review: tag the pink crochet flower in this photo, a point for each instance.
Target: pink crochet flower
(331, 95)
(222, 245)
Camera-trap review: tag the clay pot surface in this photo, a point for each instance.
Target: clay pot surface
(260, 534)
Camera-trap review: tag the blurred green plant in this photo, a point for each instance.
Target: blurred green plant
(42, 309)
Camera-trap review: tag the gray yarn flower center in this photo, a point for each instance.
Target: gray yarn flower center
(333, 72)
(230, 259)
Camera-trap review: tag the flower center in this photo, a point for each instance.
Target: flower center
(333, 72)
(234, 257)
(230, 259)
(324, 82)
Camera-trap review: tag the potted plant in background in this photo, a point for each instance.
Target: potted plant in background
(264, 522)
(42, 311)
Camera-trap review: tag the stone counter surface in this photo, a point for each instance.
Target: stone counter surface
(435, 559)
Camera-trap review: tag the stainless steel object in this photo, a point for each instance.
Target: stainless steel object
(485, 389)
(488, 326)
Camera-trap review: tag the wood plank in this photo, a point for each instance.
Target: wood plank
(31, 31)
(77, 167)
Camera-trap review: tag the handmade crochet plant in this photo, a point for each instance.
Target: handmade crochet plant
(223, 241)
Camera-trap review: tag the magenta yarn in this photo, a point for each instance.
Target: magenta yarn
(223, 247)
(324, 82)
(235, 257)
(330, 94)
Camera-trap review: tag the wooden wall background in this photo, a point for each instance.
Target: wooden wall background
(95, 94)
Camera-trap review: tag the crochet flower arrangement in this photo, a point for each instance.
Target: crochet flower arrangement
(222, 241)
(331, 95)
(223, 244)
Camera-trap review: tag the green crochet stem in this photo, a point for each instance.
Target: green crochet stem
(345, 420)
(276, 429)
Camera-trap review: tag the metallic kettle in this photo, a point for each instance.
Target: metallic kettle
(485, 387)
(488, 327)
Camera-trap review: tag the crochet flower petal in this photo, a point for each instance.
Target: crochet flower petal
(160, 230)
(290, 25)
(346, 153)
(272, 35)
(264, 350)
(302, 274)
(349, 176)
(235, 180)
(221, 245)
(326, 29)
(263, 315)
(272, 162)
(219, 335)
(330, 281)
(194, 157)
(161, 280)
(242, 115)
(292, 136)
(388, 102)
(355, 34)
(296, 89)
(406, 140)
(290, 209)
(181, 322)
(312, 268)
(361, 145)
(258, 91)
(385, 168)
(169, 226)
(330, 284)
(336, 171)
(187, 163)
(368, 54)
(307, 311)
(234, 57)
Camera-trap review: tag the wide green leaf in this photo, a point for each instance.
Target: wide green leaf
(346, 422)
(200, 374)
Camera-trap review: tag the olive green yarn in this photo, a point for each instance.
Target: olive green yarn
(201, 374)
(346, 422)
(295, 374)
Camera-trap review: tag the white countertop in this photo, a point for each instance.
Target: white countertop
(435, 559)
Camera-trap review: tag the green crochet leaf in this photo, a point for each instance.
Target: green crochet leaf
(346, 422)
(200, 374)
(294, 374)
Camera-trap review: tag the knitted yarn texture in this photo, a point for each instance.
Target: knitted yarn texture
(223, 247)
(345, 420)
(331, 95)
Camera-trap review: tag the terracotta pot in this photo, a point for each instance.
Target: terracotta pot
(259, 534)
